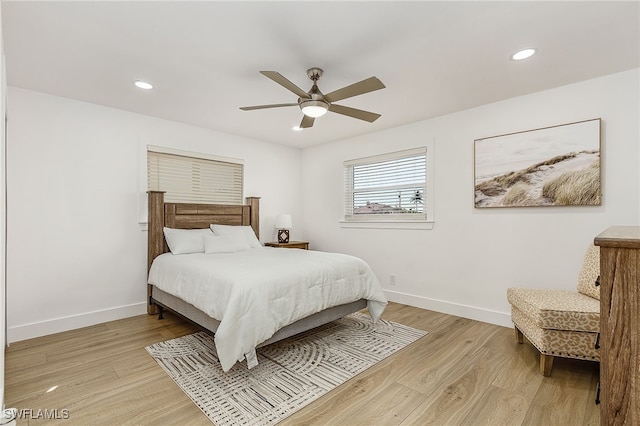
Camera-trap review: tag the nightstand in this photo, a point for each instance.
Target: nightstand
(291, 244)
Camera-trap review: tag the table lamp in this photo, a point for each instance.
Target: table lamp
(283, 224)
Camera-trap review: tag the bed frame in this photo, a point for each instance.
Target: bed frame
(193, 216)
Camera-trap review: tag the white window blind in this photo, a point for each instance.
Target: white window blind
(386, 187)
(191, 179)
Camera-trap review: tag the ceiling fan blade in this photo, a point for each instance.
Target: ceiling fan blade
(249, 108)
(355, 113)
(364, 86)
(282, 81)
(306, 122)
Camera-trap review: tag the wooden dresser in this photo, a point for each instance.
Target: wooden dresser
(619, 325)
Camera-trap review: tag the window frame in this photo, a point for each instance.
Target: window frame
(205, 164)
(385, 221)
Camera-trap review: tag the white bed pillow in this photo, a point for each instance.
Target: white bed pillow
(223, 244)
(244, 233)
(184, 241)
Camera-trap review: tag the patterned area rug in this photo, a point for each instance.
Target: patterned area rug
(290, 374)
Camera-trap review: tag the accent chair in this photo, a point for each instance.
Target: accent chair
(561, 322)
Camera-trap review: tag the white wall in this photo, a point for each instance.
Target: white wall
(465, 264)
(76, 255)
(3, 283)
(76, 252)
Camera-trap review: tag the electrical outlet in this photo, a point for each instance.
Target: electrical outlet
(392, 279)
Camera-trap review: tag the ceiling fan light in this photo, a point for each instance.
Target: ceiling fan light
(314, 108)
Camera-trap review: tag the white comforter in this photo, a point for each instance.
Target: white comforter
(256, 292)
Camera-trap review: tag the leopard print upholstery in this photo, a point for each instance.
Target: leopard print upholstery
(557, 309)
(563, 343)
(561, 322)
(589, 273)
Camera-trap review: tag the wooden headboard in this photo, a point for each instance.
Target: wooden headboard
(193, 216)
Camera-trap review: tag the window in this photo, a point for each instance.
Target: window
(194, 178)
(388, 188)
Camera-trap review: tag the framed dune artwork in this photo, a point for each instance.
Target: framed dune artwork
(551, 166)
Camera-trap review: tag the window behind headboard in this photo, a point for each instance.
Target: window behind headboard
(188, 177)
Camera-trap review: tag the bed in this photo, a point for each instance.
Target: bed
(235, 336)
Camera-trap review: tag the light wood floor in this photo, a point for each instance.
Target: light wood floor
(463, 372)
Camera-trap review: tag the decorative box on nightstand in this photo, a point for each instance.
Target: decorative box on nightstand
(291, 244)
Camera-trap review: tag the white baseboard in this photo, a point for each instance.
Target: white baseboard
(57, 325)
(457, 309)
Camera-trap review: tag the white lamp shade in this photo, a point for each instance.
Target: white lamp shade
(284, 221)
(314, 108)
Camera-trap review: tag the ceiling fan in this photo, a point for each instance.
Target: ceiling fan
(315, 104)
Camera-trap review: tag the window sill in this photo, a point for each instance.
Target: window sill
(389, 224)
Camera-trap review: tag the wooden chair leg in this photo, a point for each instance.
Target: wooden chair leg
(519, 336)
(546, 362)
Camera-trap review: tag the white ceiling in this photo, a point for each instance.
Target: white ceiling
(204, 58)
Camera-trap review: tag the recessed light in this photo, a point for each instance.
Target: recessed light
(143, 85)
(296, 128)
(523, 54)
